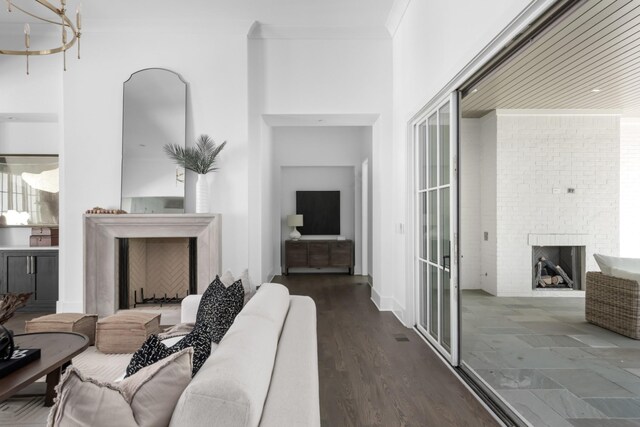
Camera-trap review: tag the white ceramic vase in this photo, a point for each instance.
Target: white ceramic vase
(202, 194)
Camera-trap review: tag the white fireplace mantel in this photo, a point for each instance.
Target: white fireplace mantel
(558, 239)
(100, 250)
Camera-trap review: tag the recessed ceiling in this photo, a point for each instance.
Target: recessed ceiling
(294, 13)
(590, 60)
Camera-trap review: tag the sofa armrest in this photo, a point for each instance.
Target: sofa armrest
(189, 308)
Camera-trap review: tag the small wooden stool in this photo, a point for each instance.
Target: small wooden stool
(64, 322)
(125, 332)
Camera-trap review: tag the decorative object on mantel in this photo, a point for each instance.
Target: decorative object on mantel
(102, 211)
(200, 159)
(10, 303)
(295, 221)
(63, 21)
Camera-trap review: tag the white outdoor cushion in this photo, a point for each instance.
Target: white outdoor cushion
(624, 274)
(606, 263)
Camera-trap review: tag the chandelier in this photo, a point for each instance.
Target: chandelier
(70, 33)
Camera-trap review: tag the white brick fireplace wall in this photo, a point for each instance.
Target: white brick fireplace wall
(539, 156)
(630, 187)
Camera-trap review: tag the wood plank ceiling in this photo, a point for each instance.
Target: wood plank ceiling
(590, 60)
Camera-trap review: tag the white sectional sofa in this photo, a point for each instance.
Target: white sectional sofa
(263, 373)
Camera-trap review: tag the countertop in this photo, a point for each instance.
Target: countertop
(28, 248)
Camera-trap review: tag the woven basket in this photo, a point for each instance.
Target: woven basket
(613, 303)
(64, 322)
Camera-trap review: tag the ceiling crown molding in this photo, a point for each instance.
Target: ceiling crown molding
(265, 31)
(319, 120)
(396, 14)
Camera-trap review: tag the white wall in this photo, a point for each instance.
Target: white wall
(433, 42)
(470, 213)
(36, 101)
(488, 205)
(41, 90)
(20, 137)
(214, 63)
(328, 76)
(317, 178)
(630, 187)
(321, 158)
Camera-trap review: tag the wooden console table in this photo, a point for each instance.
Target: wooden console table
(318, 254)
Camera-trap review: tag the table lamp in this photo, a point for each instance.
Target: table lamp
(294, 221)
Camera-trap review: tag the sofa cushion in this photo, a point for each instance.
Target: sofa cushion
(218, 307)
(624, 274)
(294, 395)
(154, 350)
(606, 263)
(249, 289)
(144, 399)
(230, 389)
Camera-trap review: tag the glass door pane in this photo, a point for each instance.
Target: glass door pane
(424, 228)
(445, 268)
(432, 221)
(424, 295)
(422, 156)
(444, 144)
(432, 156)
(433, 297)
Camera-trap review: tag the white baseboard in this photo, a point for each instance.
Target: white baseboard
(388, 304)
(69, 307)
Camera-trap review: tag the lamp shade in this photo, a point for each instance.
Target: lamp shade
(294, 221)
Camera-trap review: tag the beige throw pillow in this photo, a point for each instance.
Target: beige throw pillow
(144, 399)
(227, 279)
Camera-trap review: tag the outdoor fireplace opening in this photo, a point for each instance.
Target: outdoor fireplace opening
(156, 271)
(558, 267)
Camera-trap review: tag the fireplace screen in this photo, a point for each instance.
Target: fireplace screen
(558, 267)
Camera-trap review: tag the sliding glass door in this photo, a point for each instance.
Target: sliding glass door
(436, 261)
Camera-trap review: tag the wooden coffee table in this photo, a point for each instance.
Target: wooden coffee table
(56, 351)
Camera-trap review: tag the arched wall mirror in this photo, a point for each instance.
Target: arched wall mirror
(154, 114)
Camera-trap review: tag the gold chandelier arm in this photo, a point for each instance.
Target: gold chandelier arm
(64, 47)
(47, 5)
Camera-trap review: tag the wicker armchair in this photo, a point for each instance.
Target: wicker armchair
(613, 303)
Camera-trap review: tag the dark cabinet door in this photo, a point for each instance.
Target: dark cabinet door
(32, 271)
(17, 278)
(318, 254)
(341, 253)
(296, 254)
(46, 280)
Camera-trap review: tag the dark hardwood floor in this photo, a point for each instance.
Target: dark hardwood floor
(16, 323)
(370, 378)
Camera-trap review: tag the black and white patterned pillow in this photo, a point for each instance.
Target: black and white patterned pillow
(221, 307)
(153, 350)
(218, 308)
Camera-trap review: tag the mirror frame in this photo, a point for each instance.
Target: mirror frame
(186, 116)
